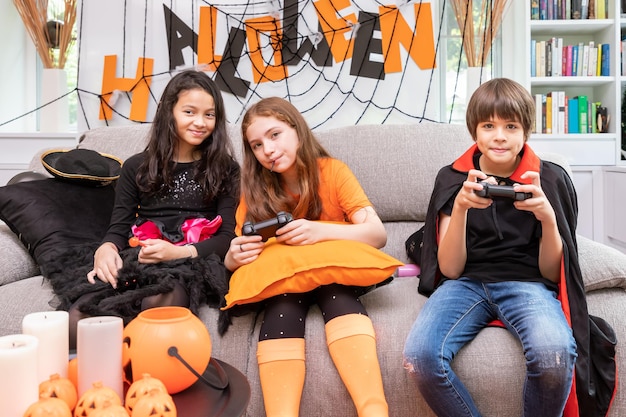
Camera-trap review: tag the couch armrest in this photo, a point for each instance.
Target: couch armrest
(602, 266)
(15, 261)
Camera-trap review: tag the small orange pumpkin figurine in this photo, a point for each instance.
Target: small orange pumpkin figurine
(110, 410)
(155, 404)
(140, 388)
(48, 406)
(72, 371)
(58, 387)
(96, 398)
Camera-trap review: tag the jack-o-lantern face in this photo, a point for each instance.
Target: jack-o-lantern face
(155, 404)
(95, 398)
(141, 388)
(59, 387)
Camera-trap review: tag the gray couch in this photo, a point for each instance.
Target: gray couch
(396, 165)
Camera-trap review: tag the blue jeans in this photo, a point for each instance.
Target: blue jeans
(458, 310)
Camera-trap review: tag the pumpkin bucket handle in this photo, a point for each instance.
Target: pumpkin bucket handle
(221, 375)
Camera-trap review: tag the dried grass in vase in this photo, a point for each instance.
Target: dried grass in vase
(478, 37)
(48, 36)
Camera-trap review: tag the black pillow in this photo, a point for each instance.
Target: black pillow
(50, 215)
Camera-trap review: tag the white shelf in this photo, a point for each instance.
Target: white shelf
(583, 149)
(578, 149)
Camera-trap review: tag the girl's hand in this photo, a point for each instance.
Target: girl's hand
(242, 251)
(301, 232)
(158, 250)
(106, 263)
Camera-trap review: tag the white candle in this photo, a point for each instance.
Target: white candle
(52, 330)
(99, 353)
(19, 387)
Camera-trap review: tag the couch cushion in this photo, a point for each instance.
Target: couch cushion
(601, 265)
(15, 261)
(50, 214)
(21, 298)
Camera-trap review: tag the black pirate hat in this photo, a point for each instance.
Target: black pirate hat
(82, 165)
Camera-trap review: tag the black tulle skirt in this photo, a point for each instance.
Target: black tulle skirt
(205, 279)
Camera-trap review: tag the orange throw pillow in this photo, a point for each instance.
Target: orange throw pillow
(297, 269)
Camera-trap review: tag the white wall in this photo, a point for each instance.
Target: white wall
(18, 72)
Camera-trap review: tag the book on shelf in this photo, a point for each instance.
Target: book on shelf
(568, 9)
(605, 67)
(593, 60)
(584, 9)
(534, 9)
(572, 116)
(533, 58)
(549, 113)
(584, 65)
(548, 60)
(583, 114)
(538, 113)
(557, 113)
(601, 8)
(551, 58)
(623, 56)
(543, 9)
(560, 112)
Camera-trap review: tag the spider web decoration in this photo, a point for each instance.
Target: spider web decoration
(328, 57)
(340, 62)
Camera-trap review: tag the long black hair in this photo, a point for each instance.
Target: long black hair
(216, 170)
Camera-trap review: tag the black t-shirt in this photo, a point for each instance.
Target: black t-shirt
(502, 241)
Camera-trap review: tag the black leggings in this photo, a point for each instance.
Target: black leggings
(285, 314)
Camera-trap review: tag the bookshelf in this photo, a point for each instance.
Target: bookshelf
(588, 148)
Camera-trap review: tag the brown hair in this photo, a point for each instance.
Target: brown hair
(262, 189)
(503, 98)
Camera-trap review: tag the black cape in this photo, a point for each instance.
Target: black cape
(595, 373)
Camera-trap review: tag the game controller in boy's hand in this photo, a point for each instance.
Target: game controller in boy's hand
(266, 228)
(492, 190)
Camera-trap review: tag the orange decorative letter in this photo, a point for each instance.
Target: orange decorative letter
(336, 29)
(206, 38)
(269, 28)
(395, 30)
(139, 86)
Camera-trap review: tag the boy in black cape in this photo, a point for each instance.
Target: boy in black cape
(510, 261)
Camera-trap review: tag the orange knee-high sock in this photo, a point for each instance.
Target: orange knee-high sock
(352, 346)
(281, 370)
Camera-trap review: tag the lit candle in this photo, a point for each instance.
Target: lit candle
(19, 387)
(99, 353)
(52, 330)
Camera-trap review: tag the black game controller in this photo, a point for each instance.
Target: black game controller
(267, 228)
(492, 190)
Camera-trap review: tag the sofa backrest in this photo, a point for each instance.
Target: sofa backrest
(396, 164)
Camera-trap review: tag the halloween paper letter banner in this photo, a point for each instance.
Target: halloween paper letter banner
(340, 62)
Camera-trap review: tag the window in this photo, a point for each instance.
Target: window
(454, 88)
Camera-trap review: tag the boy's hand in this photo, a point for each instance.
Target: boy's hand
(467, 198)
(538, 204)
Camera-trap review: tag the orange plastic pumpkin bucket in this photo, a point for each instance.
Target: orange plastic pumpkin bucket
(165, 342)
